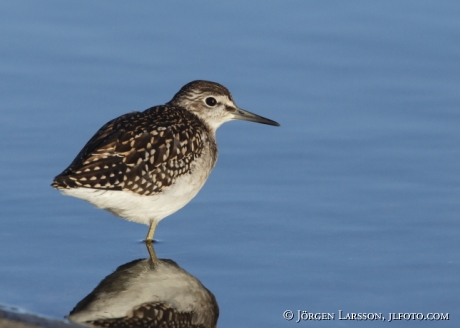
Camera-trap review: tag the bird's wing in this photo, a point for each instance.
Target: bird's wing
(154, 314)
(142, 152)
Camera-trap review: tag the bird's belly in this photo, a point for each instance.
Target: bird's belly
(143, 209)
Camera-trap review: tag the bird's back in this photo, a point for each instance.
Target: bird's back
(143, 152)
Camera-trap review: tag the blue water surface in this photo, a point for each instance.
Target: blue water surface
(352, 204)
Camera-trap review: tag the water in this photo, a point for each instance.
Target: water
(352, 204)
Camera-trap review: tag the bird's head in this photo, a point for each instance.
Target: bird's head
(214, 104)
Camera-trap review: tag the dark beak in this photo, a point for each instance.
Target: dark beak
(244, 115)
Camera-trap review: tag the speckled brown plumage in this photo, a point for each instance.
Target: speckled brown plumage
(143, 152)
(150, 315)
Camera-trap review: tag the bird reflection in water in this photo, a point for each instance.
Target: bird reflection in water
(148, 293)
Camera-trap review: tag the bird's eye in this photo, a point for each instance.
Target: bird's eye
(210, 101)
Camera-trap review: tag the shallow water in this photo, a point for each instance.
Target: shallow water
(352, 204)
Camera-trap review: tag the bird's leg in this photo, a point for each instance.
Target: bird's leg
(151, 250)
(149, 238)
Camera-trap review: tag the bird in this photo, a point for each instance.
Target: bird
(144, 166)
(149, 292)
